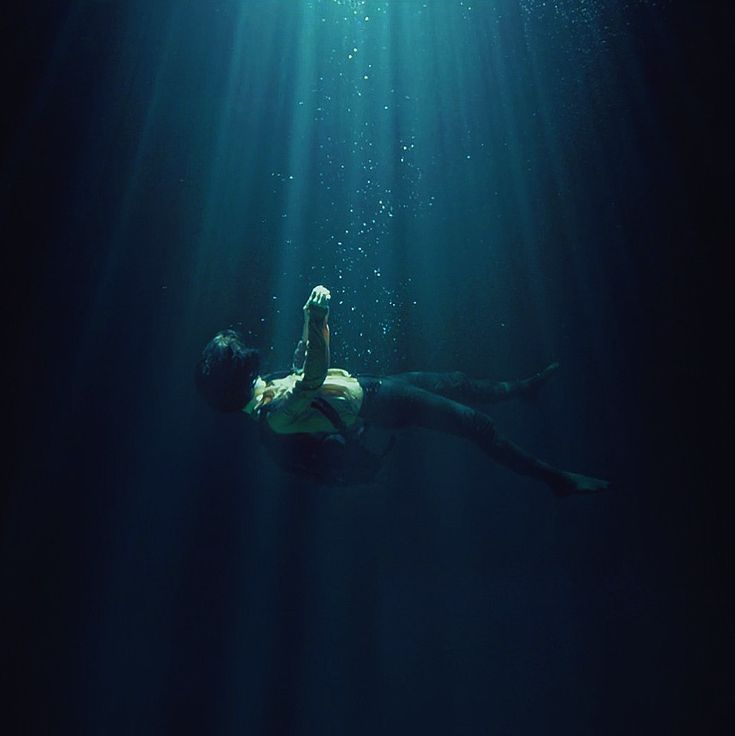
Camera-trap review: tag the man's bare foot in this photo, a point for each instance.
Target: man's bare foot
(568, 484)
(531, 386)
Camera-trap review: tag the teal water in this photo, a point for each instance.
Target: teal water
(484, 186)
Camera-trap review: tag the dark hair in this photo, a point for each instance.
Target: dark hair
(227, 371)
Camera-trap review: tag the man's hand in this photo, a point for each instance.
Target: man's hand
(317, 305)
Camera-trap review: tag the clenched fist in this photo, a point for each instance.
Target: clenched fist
(317, 305)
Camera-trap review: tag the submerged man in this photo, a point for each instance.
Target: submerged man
(317, 401)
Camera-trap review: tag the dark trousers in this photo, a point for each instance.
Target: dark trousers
(435, 401)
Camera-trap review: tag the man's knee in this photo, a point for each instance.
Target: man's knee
(483, 426)
(458, 379)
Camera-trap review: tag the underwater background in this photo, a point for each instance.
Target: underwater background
(484, 186)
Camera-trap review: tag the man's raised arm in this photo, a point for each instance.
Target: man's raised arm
(316, 331)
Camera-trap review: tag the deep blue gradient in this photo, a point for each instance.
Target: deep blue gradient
(484, 186)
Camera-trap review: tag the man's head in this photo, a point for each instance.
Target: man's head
(227, 371)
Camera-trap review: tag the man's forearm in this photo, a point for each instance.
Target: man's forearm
(316, 363)
(316, 334)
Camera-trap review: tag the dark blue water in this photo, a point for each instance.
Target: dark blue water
(484, 186)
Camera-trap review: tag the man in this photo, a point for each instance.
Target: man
(316, 401)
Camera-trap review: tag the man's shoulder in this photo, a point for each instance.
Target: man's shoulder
(281, 378)
(340, 373)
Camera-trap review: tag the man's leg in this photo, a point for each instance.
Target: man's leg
(396, 404)
(460, 387)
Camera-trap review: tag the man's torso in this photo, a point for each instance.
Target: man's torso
(290, 410)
